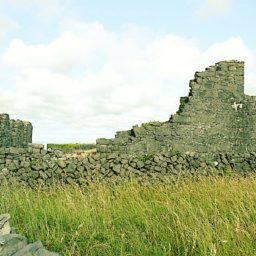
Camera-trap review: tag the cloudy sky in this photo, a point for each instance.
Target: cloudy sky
(80, 69)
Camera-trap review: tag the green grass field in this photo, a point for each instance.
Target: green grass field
(210, 216)
(72, 147)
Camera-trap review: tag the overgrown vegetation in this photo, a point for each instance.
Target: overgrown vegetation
(209, 216)
(72, 147)
(147, 157)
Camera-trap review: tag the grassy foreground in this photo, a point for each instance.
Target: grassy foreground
(210, 216)
(72, 147)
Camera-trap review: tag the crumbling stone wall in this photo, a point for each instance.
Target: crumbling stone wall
(14, 133)
(216, 117)
(35, 166)
(213, 130)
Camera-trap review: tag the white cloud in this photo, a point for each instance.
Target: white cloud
(211, 8)
(90, 82)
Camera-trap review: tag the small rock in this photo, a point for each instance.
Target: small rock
(117, 168)
(156, 159)
(61, 163)
(30, 249)
(215, 163)
(140, 164)
(174, 158)
(11, 243)
(5, 227)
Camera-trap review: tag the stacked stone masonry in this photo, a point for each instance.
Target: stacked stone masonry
(216, 117)
(35, 166)
(14, 133)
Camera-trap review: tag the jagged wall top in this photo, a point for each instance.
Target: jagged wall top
(225, 77)
(14, 133)
(215, 117)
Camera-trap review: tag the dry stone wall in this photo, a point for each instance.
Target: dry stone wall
(216, 117)
(35, 166)
(14, 133)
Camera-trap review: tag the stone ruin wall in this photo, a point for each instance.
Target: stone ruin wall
(212, 132)
(216, 120)
(216, 117)
(14, 133)
(35, 166)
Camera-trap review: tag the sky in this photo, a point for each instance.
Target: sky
(81, 70)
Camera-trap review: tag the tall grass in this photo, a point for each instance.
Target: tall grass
(211, 216)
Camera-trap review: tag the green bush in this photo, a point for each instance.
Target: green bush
(147, 157)
(227, 171)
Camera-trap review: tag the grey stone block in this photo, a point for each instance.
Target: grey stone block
(11, 243)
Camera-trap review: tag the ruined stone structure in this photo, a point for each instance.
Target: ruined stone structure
(213, 133)
(213, 130)
(14, 133)
(216, 117)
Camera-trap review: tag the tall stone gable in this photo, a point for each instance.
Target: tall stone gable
(215, 117)
(14, 133)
